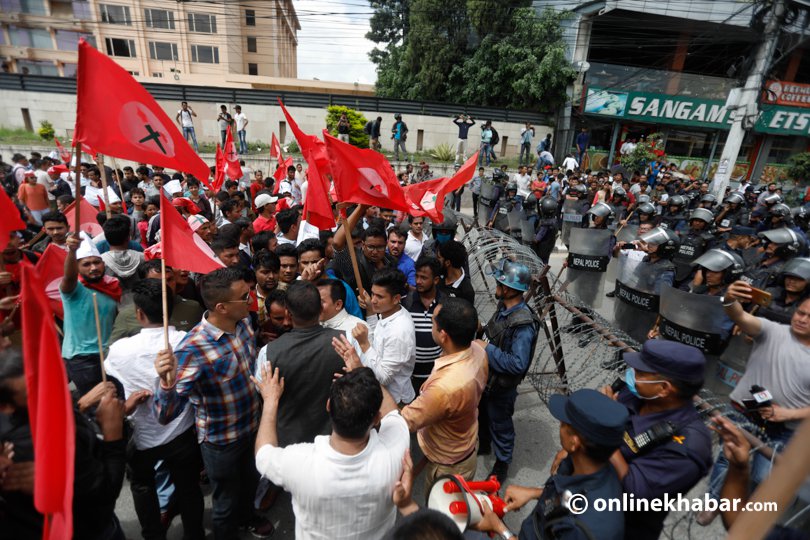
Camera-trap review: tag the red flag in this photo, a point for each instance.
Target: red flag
(181, 247)
(219, 171)
(118, 117)
(281, 173)
(10, 219)
(363, 176)
(88, 217)
(101, 206)
(317, 208)
(51, 269)
(233, 169)
(53, 431)
(427, 198)
(64, 154)
(275, 149)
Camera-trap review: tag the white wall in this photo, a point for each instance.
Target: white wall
(60, 110)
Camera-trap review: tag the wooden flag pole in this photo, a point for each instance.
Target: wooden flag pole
(103, 172)
(352, 254)
(164, 294)
(626, 221)
(98, 334)
(77, 183)
(117, 179)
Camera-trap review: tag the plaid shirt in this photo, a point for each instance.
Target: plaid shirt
(213, 373)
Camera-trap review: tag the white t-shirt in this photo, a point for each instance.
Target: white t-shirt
(336, 496)
(185, 118)
(523, 182)
(413, 245)
(241, 120)
(569, 164)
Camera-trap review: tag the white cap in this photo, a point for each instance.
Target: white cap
(263, 199)
(87, 248)
(196, 221)
(173, 186)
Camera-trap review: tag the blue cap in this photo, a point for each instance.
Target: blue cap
(670, 359)
(742, 230)
(596, 417)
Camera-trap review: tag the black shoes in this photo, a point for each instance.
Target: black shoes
(500, 470)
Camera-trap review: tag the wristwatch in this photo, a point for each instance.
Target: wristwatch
(727, 304)
(506, 535)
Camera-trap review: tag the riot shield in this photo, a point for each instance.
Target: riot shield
(527, 231)
(628, 233)
(486, 201)
(515, 217)
(635, 308)
(571, 219)
(693, 319)
(588, 258)
(723, 372)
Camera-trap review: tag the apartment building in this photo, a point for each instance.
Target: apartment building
(152, 38)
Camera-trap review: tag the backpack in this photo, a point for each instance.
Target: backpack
(10, 181)
(368, 127)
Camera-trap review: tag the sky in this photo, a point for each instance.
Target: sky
(331, 42)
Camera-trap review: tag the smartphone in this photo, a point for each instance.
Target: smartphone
(760, 297)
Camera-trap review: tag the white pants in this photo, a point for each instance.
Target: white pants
(461, 147)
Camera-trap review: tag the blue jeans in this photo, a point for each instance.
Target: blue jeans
(189, 132)
(760, 466)
(224, 134)
(525, 148)
(232, 471)
(485, 150)
(243, 148)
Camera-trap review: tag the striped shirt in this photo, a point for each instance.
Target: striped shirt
(426, 349)
(213, 373)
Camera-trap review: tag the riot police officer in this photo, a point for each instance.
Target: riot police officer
(661, 244)
(732, 213)
(692, 245)
(790, 288)
(708, 201)
(512, 335)
(801, 218)
(441, 233)
(673, 217)
(547, 228)
(778, 216)
(781, 245)
(591, 429)
(643, 213)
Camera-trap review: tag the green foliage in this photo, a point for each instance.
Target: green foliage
(646, 152)
(444, 152)
(482, 52)
(292, 148)
(357, 122)
(17, 135)
(799, 167)
(46, 131)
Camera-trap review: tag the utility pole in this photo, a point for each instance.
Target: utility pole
(745, 110)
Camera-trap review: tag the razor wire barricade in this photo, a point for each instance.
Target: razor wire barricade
(577, 347)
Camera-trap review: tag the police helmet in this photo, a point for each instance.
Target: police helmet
(702, 214)
(512, 274)
(619, 192)
(642, 199)
(709, 198)
(579, 191)
(600, 209)
(548, 207)
(511, 186)
(779, 210)
(789, 241)
(720, 260)
(772, 199)
(665, 239)
(676, 200)
(645, 208)
(798, 267)
(498, 175)
(801, 217)
(735, 198)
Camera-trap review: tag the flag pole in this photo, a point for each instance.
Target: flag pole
(163, 293)
(103, 171)
(118, 179)
(98, 334)
(352, 254)
(77, 183)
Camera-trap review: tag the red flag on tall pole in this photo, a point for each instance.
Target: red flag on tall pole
(427, 198)
(180, 247)
(363, 176)
(317, 207)
(219, 171)
(87, 214)
(10, 219)
(64, 154)
(275, 149)
(50, 410)
(233, 169)
(118, 117)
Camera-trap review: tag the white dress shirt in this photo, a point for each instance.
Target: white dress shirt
(345, 322)
(336, 496)
(413, 245)
(392, 354)
(132, 361)
(523, 181)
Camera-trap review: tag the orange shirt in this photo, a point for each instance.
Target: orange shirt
(34, 196)
(446, 411)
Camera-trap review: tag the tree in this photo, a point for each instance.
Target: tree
(357, 136)
(644, 153)
(799, 167)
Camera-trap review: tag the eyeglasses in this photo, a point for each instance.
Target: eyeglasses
(375, 248)
(245, 300)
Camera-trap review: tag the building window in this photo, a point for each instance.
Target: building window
(34, 7)
(120, 47)
(204, 54)
(251, 44)
(34, 67)
(253, 69)
(250, 17)
(82, 11)
(69, 41)
(159, 50)
(10, 6)
(134, 73)
(69, 70)
(202, 23)
(157, 75)
(115, 14)
(159, 18)
(38, 38)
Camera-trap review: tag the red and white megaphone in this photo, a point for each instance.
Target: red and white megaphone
(463, 501)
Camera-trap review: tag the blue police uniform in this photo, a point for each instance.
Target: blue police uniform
(672, 465)
(510, 354)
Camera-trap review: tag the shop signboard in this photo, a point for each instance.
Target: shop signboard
(692, 111)
(787, 93)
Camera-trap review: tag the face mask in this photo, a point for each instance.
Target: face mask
(443, 237)
(630, 381)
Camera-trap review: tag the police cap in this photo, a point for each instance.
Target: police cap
(599, 419)
(670, 359)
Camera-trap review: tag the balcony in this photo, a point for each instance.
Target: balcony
(657, 81)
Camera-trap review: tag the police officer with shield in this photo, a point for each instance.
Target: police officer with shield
(792, 285)
(693, 244)
(512, 337)
(548, 227)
